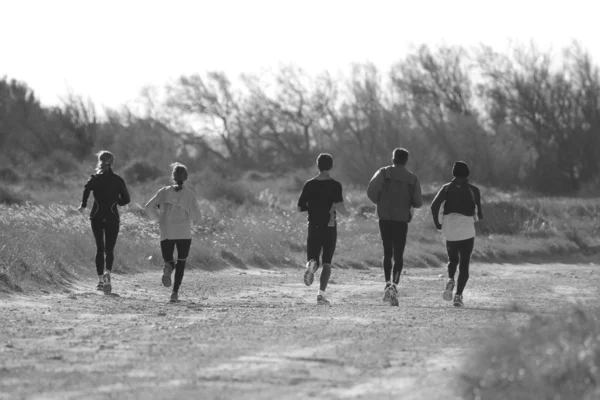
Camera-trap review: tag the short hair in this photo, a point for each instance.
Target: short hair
(400, 156)
(460, 169)
(324, 162)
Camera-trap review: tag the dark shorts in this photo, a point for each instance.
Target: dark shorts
(321, 239)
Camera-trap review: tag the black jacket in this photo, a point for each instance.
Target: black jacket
(458, 196)
(109, 191)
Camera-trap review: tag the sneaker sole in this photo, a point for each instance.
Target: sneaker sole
(386, 297)
(309, 277)
(107, 288)
(166, 280)
(447, 294)
(459, 305)
(394, 302)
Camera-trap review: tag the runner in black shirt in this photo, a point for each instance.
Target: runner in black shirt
(322, 197)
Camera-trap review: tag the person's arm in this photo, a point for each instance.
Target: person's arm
(374, 188)
(303, 200)
(338, 202)
(440, 197)
(478, 203)
(417, 199)
(195, 211)
(88, 187)
(153, 204)
(124, 198)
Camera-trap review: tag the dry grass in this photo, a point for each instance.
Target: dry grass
(255, 223)
(551, 358)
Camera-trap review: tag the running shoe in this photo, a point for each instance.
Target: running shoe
(387, 294)
(106, 287)
(309, 274)
(458, 301)
(174, 297)
(447, 295)
(100, 286)
(393, 296)
(321, 300)
(167, 271)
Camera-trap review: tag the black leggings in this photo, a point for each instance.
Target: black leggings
(459, 254)
(321, 238)
(167, 248)
(393, 236)
(105, 231)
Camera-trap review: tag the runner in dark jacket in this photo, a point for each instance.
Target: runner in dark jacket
(109, 192)
(455, 209)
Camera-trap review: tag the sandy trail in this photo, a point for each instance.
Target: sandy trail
(259, 334)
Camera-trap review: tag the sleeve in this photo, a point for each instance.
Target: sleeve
(152, 205)
(124, 198)
(89, 186)
(478, 203)
(417, 199)
(440, 197)
(338, 196)
(375, 185)
(303, 200)
(195, 210)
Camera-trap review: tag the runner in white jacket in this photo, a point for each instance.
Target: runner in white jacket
(175, 208)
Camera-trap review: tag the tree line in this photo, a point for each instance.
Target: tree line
(526, 118)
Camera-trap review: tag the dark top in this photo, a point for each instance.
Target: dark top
(317, 197)
(458, 196)
(109, 191)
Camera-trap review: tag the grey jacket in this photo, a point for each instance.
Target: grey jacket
(396, 191)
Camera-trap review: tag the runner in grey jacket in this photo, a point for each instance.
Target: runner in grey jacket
(396, 191)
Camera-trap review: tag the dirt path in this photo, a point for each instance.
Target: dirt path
(259, 334)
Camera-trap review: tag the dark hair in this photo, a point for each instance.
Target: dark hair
(460, 169)
(179, 175)
(324, 162)
(400, 156)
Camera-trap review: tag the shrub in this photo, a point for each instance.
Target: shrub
(59, 162)
(9, 196)
(508, 218)
(7, 174)
(141, 171)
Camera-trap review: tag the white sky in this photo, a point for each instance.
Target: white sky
(108, 50)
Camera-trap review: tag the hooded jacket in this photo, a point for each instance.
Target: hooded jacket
(396, 191)
(109, 191)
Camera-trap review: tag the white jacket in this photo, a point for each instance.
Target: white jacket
(174, 212)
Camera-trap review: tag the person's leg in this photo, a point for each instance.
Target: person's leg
(452, 248)
(183, 250)
(399, 232)
(329, 243)
(111, 232)
(465, 251)
(313, 251)
(388, 249)
(98, 230)
(167, 248)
